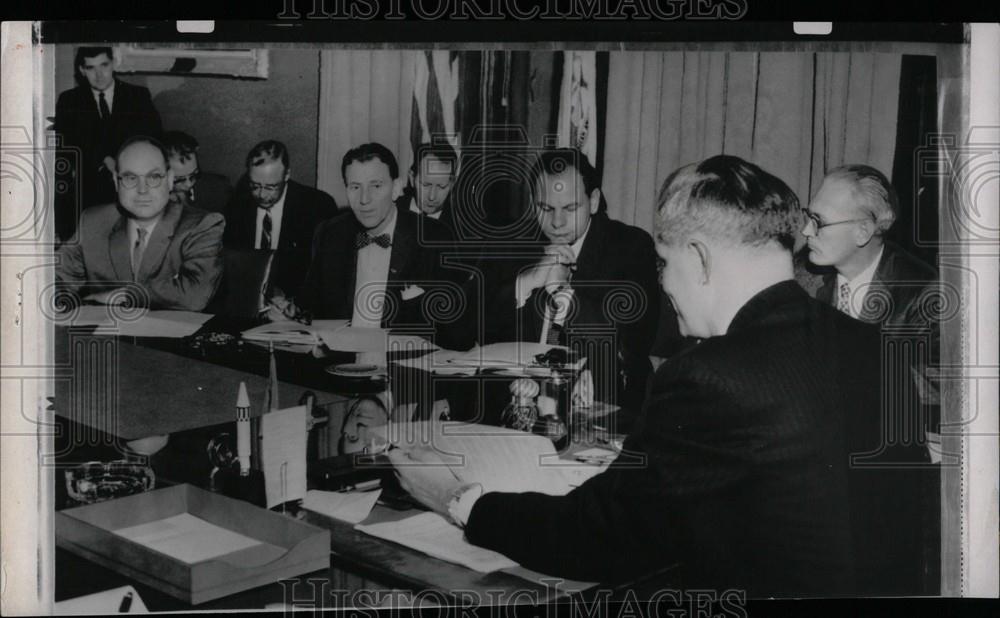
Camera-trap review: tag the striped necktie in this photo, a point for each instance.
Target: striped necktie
(265, 231)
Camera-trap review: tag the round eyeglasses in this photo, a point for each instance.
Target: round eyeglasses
(131, 181)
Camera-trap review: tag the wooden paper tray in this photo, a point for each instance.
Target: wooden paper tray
(288, 547)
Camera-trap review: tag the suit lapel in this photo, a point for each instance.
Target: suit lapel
(883, 272)
(403, 245)
(825, 292)
(119, 251)
(288, 217)
(159, 241)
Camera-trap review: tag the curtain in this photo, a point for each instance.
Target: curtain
(794, 114)
(364, 96)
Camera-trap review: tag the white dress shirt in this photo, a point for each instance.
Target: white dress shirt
(109, 96)
(861, 281)
(415, 208)
(275, 211)
(371, 278)
(133, 235)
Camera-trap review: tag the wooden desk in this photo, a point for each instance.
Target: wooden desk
(131, 388)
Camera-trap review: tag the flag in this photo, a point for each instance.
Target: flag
(577, 126)
(435, 90)
(272, 383)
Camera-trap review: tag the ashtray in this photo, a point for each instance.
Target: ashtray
(356, 370)
(97, 481)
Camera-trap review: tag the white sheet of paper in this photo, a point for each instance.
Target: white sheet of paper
(351, 339)
(187, 538)
(86, 315)
(172, 324)
(500, 459)
(435, 536)
(283, 454)
(350, 506)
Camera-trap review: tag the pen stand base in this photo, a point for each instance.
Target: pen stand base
(249, 488)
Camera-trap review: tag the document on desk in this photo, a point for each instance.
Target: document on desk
(435, 536)
(283, 454)
(105, 603)
(340, 336)
(187, 538)
(172, 324)
(350, 506)
(500, 459)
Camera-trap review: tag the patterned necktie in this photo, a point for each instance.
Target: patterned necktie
(265, 231)
(137, 249)
(844, 298)
(363, 240)
(554, 310)
(103, 104)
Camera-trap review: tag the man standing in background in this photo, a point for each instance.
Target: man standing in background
(93, 120)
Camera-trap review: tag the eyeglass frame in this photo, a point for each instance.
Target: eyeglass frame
(193, 177)
(145, 177)
(818, 224)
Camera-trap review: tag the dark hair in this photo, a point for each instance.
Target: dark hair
(142, 139)
(179, 144)
(729, 199)
(556, 161)
(442, 152)
(92, 52)
(872, 190)
(367, 152)
(267, 151)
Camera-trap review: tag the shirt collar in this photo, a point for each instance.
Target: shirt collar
(133, 227)
(864, 277)
(390, 228)
(109, 93)
(414, 208)
(578, 245)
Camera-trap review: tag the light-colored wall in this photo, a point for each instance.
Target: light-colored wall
(228, 115)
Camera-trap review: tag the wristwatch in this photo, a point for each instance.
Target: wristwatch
(461, 502)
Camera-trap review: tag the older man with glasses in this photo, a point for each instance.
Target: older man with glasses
(143, 250)
(213, 190)
(270, 211)
(875, 280)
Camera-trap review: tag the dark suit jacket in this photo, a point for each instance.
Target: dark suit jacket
(305, 208)
(747, 479)
(328, 290)
(78, 123)
(900, 283)
(180, 268)
(616, 293)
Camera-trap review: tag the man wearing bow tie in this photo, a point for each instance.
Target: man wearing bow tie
(379, 266)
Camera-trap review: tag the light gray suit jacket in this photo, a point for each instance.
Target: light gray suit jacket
(180, 268)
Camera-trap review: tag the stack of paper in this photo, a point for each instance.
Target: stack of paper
(187, 538)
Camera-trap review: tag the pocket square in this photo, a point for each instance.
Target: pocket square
(411, 291)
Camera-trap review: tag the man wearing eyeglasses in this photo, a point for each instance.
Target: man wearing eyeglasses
(270, 211)
(213, 190)
(847, 221)
(144, 250)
